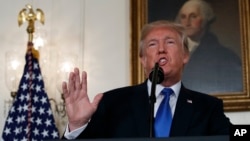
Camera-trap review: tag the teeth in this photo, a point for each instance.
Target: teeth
(162, 60)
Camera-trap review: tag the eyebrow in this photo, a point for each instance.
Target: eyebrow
(165, 38)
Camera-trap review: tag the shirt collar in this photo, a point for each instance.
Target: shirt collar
(192, 45)
(176, 88)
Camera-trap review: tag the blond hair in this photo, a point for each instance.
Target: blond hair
(162, 23)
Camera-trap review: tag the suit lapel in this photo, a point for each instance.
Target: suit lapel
(183, 113)
(140, 108)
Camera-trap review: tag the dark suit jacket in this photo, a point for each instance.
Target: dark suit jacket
(124, 113)
(213, 68)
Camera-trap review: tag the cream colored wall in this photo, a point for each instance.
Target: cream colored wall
(96, 31)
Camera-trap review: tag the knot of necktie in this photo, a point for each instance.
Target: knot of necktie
(167, 92)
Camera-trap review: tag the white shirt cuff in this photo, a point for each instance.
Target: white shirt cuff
(75, 133)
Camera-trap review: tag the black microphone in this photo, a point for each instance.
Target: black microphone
(156, 77)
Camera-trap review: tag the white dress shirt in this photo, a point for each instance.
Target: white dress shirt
(173, 98)
(172, 102)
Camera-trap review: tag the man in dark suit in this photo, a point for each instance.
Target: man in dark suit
(125, 112)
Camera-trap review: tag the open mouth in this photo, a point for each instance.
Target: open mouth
(162, 61)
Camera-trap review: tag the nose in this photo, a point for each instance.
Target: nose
(185, 21)
(188, 23)
(161, 48)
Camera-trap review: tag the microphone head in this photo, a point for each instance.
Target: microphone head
(160, 75)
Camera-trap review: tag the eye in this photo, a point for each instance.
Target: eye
(170, 41)
(193, 16)
(182, 16)
(152, 44)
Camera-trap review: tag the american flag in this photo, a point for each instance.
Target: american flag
(30, 118)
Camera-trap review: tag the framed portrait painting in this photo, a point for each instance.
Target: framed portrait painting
(219, 63)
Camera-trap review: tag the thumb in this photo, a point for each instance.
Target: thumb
(96, 100)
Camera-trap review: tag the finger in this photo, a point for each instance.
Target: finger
(71, 84)
(84, 82)
(64, 89)
(77, 79)
(97, 100)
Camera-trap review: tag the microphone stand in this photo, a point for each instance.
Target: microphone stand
(155, 78)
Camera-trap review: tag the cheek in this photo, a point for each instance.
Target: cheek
(183, 21)
(148, 58)
(150, 53)
(197, 23)
(144, 61)
(146, 65)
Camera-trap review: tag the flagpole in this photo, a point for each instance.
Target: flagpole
(30, 116)
(30, 17)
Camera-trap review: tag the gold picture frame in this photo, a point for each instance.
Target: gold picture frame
(233, 101)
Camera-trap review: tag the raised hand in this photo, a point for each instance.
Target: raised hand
(79, 109)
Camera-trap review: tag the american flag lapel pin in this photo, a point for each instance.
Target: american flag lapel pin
(189, 101)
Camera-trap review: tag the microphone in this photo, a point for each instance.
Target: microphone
(156, 77)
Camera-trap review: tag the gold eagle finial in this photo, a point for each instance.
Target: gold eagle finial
(28, 14)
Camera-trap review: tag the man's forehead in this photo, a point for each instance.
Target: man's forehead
(190, 7)
(162, 31)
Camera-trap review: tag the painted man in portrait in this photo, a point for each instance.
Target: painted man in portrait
(213, 68)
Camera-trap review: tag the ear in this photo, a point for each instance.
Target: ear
(186, 58)
(143, 61)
